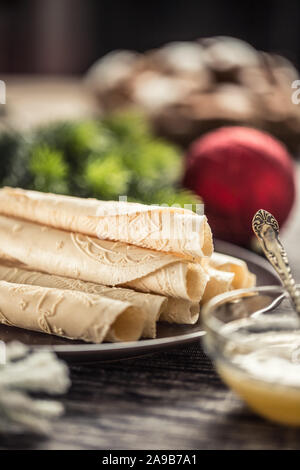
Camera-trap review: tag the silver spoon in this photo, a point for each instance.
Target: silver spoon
(266, 228)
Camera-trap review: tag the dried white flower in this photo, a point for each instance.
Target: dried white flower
(23, 372)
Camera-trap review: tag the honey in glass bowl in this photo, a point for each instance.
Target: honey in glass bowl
(253, 337)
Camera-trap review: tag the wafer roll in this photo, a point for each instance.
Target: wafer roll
(156, 307)
(242, 276)
(46, 249)
(152, 305)
(168, 229)
(225, 273)
(180, 311)
(218, 283)
(70, 314)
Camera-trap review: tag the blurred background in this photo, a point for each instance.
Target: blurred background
(107, 98)
(67, 36)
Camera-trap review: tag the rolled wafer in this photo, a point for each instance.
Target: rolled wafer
(242, 276)
(225, 273)
(55, 251)
(218, 283)
(70, 314)
(180, 311)
(156, 307)
(152, 305)
(168, 229)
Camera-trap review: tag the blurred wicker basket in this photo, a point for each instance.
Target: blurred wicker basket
(187, 88)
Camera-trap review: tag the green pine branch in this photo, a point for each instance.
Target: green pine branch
(117, 155)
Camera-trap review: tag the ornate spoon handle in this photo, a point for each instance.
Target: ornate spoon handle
(266, 228)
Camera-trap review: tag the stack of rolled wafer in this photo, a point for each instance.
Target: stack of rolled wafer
(105, 270)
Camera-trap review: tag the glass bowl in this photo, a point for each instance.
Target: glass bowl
(253, 338)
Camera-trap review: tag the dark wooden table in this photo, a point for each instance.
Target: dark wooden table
(171, 400)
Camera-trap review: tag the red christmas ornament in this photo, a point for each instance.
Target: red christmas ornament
(236, 171)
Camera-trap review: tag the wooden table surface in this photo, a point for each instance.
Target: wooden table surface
(171, 400)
